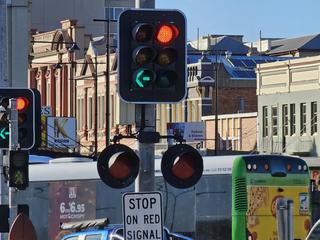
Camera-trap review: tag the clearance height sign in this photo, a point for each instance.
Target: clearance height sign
(142, 216)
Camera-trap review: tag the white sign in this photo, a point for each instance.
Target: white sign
(46, 111)
(61, 132)
(142, 216)
(192, 131)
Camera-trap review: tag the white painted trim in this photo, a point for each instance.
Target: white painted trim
(233, 115)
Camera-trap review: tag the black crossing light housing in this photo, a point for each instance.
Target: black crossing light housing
(156, 42)
(118, 166)
(19, 169)
(182, 166)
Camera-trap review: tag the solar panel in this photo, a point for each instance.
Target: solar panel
(249, 63)
(237, 63)
(259, 61)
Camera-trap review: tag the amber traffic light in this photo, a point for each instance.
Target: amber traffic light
(152, 56)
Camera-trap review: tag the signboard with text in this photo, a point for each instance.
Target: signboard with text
(142, 216)
(190, 131)
(70, 201)
(61, 132)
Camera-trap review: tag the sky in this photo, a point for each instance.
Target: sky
(274, 18)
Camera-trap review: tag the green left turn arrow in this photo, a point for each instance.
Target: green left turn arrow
(4, 133)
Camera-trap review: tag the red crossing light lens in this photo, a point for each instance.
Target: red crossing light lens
(166, 34)
(184, 166)
(120, 166)
(22, 103)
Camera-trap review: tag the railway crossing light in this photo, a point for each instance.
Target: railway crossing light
(19, 169)
(28, 104)
(152, 56)
(118, 166)
(182, 166)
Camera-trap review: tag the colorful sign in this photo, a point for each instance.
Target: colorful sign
(61, 132)
(262, 210)
(70, 201)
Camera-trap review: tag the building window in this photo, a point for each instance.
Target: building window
(274, 120)
(114, 12)
(265, 121)
(303, 118)
(314, 118)
(285, 120)
(90, 114)
(292, 119)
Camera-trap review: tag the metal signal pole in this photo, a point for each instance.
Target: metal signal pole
(146, 113)
(3, 83)
(13, 145)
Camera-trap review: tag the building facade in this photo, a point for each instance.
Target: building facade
(237, 132)
(288, 106)
(46, 14)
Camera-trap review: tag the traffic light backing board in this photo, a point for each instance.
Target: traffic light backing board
(152, 56)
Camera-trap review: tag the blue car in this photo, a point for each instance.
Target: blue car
(101, 230)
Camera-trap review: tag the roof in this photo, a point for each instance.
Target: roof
(238, 67)
(226, 43)
(311, 42)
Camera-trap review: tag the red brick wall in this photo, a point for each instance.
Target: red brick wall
(229, 100)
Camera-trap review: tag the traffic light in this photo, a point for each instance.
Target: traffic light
(182, 166)
(118, 166)
(152, 56)
(28, 106)
(19, 169)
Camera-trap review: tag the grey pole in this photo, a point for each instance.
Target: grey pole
(96, 109)
(13, 145)
(145, 4)
(145, 114)
(3, 45)
(3, 83)
(108, 81)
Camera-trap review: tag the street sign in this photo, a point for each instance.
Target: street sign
(46, 111)
(22, 229)
(61, 132)
(142, 216)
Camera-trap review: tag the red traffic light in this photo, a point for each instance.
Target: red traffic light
(118, 166)
(22, 103)
(182, 166)
(166, 34)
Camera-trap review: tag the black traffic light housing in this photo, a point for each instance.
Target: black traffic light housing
(182, 166)
(152, 56)
(19, 169)
(4, 218)
(118, 166)
(28, 105)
